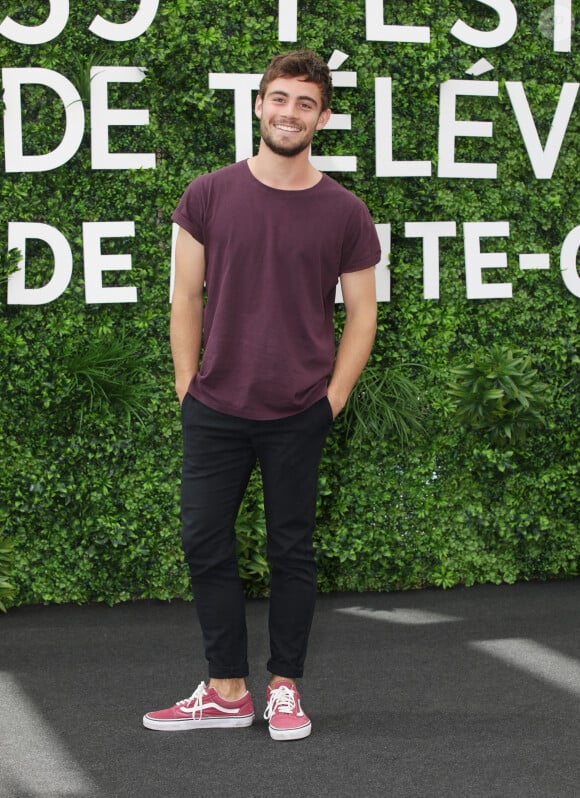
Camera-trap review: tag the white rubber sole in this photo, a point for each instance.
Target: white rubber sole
(205, 723)
(291, 734)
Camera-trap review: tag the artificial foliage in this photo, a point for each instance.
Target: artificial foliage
(410, 494)
(499, 394)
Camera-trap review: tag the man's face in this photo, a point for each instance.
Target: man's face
(290, 113)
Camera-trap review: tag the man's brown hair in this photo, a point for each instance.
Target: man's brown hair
(300, 64)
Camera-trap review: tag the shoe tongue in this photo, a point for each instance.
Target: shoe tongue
(284, 683)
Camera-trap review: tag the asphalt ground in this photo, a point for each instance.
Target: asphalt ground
(467, 692)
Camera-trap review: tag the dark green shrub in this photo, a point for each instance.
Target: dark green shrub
(111, 373)
(385, 401)
(499, 393)
(7, 583)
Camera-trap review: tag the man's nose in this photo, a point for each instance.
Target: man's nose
(293, 108)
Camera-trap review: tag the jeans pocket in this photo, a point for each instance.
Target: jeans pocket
(329, 410)
(187, 403)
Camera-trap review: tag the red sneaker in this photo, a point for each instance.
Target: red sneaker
(204, 709)
(286, 717)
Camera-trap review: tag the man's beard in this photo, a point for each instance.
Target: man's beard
(285, 151)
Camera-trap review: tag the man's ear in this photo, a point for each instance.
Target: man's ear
(258, 107)
(323, 119)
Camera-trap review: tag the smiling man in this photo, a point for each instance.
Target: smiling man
(269, 238)
(289, 132)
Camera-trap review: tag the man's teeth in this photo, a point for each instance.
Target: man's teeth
(288, 128)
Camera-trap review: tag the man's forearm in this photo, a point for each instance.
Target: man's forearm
(351, 358)
(186, 332)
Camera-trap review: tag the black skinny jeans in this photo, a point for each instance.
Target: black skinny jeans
(219, 453)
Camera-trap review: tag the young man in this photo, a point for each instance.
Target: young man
(269, 237)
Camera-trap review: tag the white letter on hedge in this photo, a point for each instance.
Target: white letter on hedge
(287, 20)
(563, 24)
(382, 272)
(48, 30)
(508, 23)
(338, 163)
(102, 118)
(125, 31)
(569, 261)
(17, 293)
(476, 260)
(16, 161)
(377, 31)
(543, 160)
(243, 85)
(450, 128)
(430, 232)
(385, 165)
(96, 263)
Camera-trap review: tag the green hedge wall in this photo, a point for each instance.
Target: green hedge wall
(89, 426)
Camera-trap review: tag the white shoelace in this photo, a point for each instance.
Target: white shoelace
(197, 698)
(281, 700)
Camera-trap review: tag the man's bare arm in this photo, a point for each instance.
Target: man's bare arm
(187, 310)
(360, 300)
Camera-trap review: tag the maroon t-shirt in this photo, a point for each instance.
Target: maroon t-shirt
(273, 259)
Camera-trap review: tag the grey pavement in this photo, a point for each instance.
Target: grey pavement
(467, 692)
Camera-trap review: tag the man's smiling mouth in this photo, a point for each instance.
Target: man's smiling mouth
(287, 128)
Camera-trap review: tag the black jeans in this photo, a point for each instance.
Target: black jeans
(219, 454)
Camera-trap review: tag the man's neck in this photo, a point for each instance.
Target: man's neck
(287, 174)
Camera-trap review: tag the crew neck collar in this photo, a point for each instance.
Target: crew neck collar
(283, 190)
